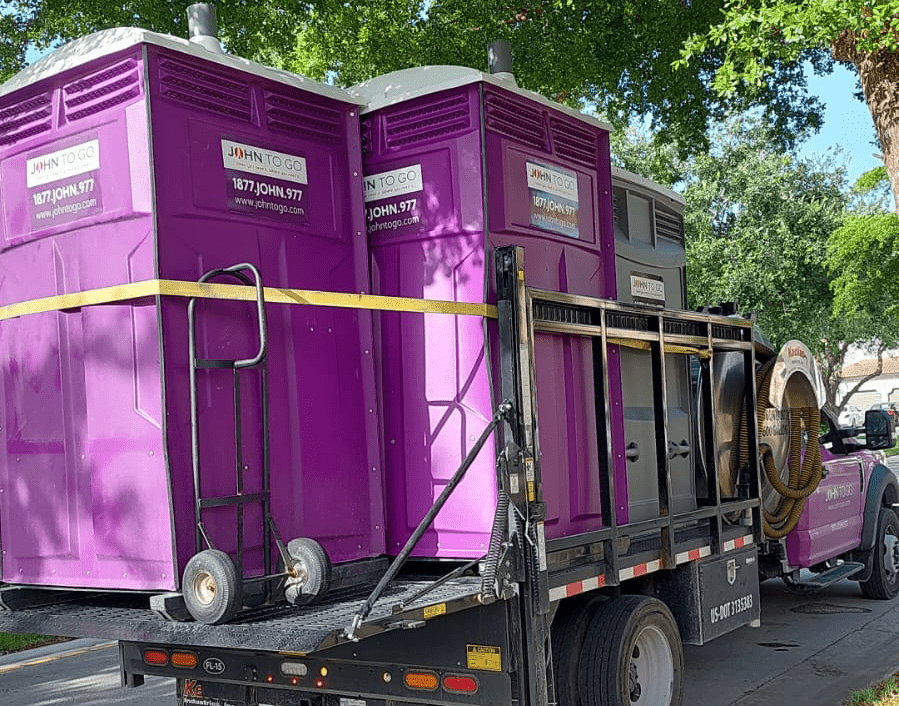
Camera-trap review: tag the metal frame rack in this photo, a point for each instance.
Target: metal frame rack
(409, 623)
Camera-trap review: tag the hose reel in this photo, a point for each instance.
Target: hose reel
(788, 417)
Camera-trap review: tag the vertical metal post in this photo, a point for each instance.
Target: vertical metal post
(709, 424)
(516, 357)
(194, 422)
(660, 406)
(238, 481)
(266, 482)
(755, 479)
(603, 403)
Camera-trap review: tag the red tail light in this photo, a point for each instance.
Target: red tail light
(460, 684)
(158, 658)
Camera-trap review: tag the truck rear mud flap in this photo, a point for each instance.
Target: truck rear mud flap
(712, 597)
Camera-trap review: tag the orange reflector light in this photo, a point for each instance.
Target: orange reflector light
(188, 660)
(421, 680)
(160, 658)
(460, 684)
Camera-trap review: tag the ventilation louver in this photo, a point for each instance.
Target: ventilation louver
(731, 333)
(632, 322)
(685, 328)
(561, 313)
(302, 119)
(518, 121)
(573, 142)
(669, 225)
(439, 119)
(25, 119)
(365, 130)
(104, 89)
(205, 90)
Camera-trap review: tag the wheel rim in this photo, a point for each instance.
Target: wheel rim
(300, 572)
(891, 557)
(205, 588)
(651, 669)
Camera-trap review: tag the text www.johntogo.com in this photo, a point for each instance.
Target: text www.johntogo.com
(265, 205)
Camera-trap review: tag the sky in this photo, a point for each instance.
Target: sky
(847, 122)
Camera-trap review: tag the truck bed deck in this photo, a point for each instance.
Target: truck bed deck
(276, 627)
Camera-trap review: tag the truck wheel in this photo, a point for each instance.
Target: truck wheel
(310, 572)
(632, 655)
(211, 587)
(568, 630)
(884, 581)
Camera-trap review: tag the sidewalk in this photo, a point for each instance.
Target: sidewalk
(893, 463)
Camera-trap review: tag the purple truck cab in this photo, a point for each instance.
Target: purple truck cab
(832, 520)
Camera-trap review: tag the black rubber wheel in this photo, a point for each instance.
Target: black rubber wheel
(312, 569)
(211, 587)
(632, 655)
(884, 582)
(568, 630)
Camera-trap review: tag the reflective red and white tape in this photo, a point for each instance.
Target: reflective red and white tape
(575, 587)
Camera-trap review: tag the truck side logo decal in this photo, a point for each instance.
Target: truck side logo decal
(214, 665)
(192, 688)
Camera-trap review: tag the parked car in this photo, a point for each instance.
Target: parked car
(851, 416)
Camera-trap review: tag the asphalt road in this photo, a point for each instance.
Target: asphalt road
(80, 672)
(811, 650)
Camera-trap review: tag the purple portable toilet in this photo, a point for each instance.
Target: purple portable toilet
(457, 163)
(129, 156)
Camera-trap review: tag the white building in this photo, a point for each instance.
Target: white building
(883, 389)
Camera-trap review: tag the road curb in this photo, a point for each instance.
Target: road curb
(57, 650)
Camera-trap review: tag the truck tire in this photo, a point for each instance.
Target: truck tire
(211, 587)
(884, 582)
(632, 655)
(312, 567)
(568, 630)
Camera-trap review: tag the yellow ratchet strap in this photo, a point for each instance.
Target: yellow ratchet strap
(642, 345)
(273, 295)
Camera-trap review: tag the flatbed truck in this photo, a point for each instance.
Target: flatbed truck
(646, 466)
(598, 618)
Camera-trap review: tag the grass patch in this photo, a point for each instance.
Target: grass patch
(14, 642)
(893, 451)
(884, 694)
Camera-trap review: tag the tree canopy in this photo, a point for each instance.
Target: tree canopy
(759, 229)
(618, 55)
(757, 38)
(756, 229)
